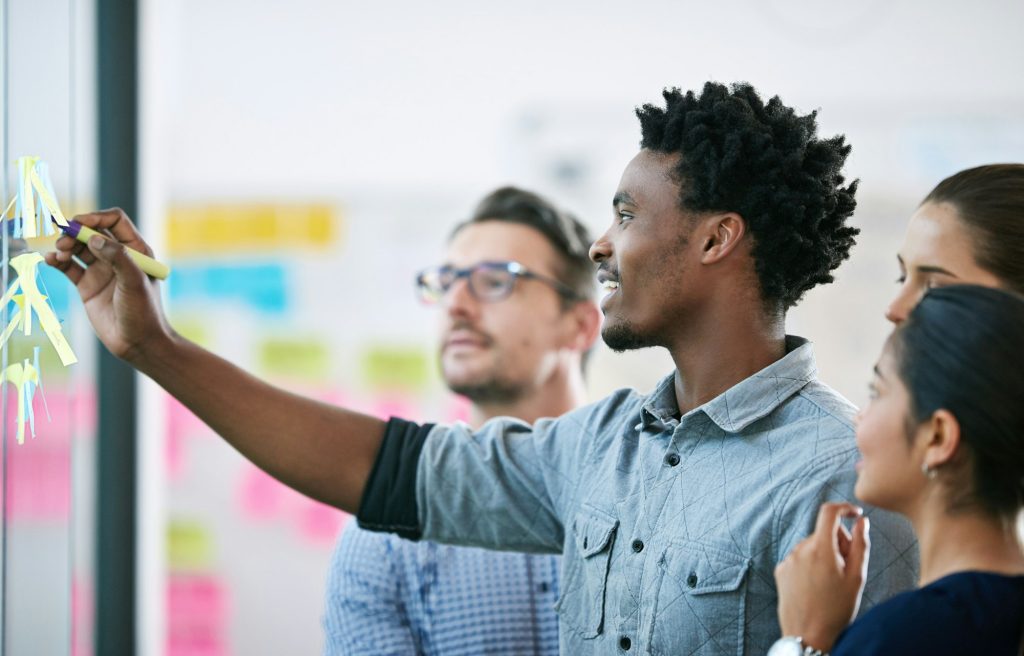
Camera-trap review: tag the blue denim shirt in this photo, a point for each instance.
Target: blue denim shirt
(670, 528)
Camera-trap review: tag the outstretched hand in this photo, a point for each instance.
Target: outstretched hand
(821, 581)
(122, 302)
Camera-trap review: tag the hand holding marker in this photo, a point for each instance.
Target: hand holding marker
(152, 267)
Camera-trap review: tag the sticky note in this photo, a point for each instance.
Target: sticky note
(321, 524)
(35, 203)
(206, 229)
(396, 367)
(189, 545)
(307, 359)
(25, 293)
(197, 615)
(39, 479)
(261, 287)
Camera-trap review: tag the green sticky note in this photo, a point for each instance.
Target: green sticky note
(296, 358)
(189, 546)
(396, 367)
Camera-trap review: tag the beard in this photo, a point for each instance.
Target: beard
(491, 390)
(623, 336)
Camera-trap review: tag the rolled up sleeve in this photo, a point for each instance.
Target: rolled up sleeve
(504, 487)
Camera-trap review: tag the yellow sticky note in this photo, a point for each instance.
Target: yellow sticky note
(32, 300)
(248, 227)
(26, 379)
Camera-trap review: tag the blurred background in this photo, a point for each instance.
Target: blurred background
(297, 163)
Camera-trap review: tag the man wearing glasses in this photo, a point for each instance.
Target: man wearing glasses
(672, 508)
(516, 297)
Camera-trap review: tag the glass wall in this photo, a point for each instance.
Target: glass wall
(47, 401)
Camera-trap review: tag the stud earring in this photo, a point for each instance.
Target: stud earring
(928, 471)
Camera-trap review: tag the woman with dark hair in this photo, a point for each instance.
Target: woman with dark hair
(942, 442)
(969, 229)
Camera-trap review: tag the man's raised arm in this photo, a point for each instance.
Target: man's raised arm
(323, 451)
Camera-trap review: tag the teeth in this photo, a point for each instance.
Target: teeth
(610, 285)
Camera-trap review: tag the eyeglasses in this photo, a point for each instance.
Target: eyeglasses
(488, 281)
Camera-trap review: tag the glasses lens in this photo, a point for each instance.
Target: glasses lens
(491, 283)
(430, 285)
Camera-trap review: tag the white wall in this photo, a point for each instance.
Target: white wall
(390, 107)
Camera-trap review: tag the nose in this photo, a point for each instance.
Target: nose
(900, 307)
(601, 249)
(458, 301)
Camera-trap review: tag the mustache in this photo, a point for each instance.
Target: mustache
(606, 272)
(462, 325)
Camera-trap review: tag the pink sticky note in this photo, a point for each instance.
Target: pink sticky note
(259, 495)
(393, 405)
(319, 523)
(182, 425)
(197, 615)
(38, 485)
(458, 408)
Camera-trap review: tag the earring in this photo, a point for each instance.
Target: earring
(928, 471)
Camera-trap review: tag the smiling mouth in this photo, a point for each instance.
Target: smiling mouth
(610, 285)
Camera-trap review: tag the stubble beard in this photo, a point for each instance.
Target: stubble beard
(490, 391)
(623, 336)
(488, 387)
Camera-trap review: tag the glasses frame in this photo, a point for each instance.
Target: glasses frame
(513, 268)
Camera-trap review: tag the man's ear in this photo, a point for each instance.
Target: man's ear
(586, 322)
(721, 234)
(942, 439)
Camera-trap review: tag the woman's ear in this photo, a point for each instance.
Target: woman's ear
(942, 439)
(722, 234)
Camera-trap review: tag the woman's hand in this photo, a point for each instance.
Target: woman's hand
(821, 580)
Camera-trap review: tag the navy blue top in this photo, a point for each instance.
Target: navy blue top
(963, 613)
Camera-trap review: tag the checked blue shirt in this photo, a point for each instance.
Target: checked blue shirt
(388, 596)
(670, 527)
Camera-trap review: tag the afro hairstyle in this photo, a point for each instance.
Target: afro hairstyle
(764, 162)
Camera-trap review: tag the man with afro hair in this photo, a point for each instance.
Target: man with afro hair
(672, 508)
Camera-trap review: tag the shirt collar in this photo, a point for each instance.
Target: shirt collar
(745, 402)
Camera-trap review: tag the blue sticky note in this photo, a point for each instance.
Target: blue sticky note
(263, 287)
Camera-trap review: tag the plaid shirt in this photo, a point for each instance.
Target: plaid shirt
(386, 595)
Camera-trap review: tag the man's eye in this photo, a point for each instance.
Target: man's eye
(624, 216)
(494, 280)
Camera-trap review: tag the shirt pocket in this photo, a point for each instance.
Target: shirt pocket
(700, 606)
(581, 606)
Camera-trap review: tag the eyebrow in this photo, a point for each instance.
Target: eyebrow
(928, 268)
(622, 197)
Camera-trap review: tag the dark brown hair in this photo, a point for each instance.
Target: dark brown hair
(990, 202)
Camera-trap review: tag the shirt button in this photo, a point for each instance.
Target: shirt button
(672, 459)
(625, 643)
(691, 580)
(638, 546)
(543, 587)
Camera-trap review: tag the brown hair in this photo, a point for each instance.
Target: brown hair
(990, 202)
